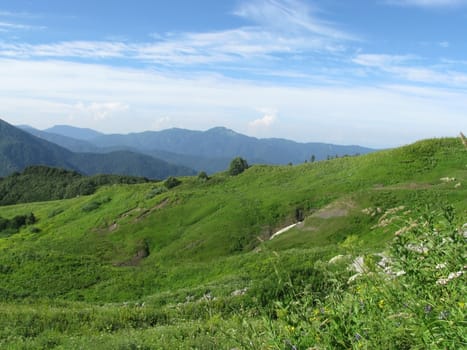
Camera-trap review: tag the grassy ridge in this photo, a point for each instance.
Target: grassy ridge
(204, 240)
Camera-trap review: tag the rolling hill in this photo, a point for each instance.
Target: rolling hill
(19, 149)
(194, 266)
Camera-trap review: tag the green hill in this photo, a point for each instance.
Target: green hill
(193, 267)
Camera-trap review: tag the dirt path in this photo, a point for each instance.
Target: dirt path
(285, 229)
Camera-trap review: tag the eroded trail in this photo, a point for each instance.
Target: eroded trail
(285, 229)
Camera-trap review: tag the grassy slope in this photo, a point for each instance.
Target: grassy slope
(203, 236)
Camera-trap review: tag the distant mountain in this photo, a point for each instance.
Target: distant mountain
(19, 149)
(74, 132)
(199, 163)
(72, 144)
(222, 143)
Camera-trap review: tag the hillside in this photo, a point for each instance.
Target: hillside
(19, 149)
(40, 183)
(193, 267)
(218, 145)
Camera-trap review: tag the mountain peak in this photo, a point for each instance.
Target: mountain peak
(85, 134)
(222, 130)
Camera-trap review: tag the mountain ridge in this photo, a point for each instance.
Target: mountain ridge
(218, 143)
(19, 149)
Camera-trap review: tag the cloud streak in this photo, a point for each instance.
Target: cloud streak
(406, 67)
(279, 29)
(428, 3)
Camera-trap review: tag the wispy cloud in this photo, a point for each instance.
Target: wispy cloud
(8, 26)
(289, 16)
(428, 3)
(279, 29)
(13, 21)
(411, 68)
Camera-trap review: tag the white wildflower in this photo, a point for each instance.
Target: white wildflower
(336, 259)
(451, 276)
(441, 266)
(418, 248)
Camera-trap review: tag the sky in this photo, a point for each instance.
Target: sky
(378, 73)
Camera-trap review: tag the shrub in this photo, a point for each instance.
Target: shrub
(91, 206)
(203, 177)
(172, 182)
(237, 166)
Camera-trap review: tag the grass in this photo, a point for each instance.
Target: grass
(80, 279)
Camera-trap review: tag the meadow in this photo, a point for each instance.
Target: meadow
(377, 262)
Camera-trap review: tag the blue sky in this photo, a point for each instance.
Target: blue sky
(378, 73)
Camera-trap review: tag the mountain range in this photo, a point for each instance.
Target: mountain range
(210, 150)
(20, 149)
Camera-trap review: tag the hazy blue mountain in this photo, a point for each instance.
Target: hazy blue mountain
(19, 149)
(70, 143)
(198, 163)
(223, 143)
(74, 132)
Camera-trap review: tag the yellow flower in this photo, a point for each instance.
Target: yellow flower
(381, 304)
(461, 304)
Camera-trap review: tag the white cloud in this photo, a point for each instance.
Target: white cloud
(97, 110)
(266, 121)
(380, 60)
(51, 92)
(161, 123)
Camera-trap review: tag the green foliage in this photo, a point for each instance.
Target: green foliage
(412, 298)
(172, 182)
(10, 226)
(41, 183)
(156, 191)
(237, 166)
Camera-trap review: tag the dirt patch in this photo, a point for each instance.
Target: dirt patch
(112, 227)
(147, 212)
(129, 212)
(334, 210)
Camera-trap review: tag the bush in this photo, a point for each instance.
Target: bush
(203, 177)
(91, 206)
(237, 166)
(155, 191)
(172, 182)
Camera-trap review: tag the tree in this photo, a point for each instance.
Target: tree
(237, 166)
